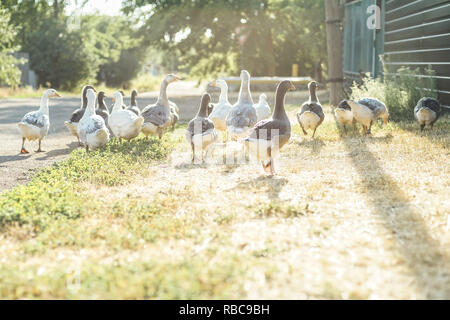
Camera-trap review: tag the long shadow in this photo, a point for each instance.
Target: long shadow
(315, 145)
(58, 152)
(423, 254)
(273, 185)
(5, 159)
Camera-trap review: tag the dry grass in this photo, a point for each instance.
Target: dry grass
(347, 218)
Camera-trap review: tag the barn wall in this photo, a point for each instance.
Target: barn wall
(418, 35)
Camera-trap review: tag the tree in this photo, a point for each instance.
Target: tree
(9, 71)
(208, 36)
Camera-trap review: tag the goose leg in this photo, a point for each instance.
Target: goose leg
(422, 126)
(272, 168)
(87, 149)
(370, 127)
(193, 154)
(23, 150)
(304, 131)
(39, 149)
(314, 133)
(79, 142)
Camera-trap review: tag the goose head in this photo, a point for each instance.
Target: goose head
(172, 78)
(52, 93)
(262, 98)
(134, 93)
(219, 83)
(245, 75)
(101, 96)
(313, 85)
(118, 98)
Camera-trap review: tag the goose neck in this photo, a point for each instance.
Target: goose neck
(44, 104)
(223, 93)
(162, 99)
(279, 110)
(312, 94)
(244, 93)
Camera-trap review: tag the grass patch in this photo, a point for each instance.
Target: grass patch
(57, 192)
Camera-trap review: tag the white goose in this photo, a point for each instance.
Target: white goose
(201, 133)
(222, 108)
(159, 116)
(242, 116)
(72, 124)
(92, 128)
(124, 123)
(262, 108)
(35, 124)
(367, 110)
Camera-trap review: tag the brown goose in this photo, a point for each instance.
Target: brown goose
(311, 113)
(201, 132)
(269, 136)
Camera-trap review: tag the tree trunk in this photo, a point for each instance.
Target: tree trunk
(55, 8)
(334, 44)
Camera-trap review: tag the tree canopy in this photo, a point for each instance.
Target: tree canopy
(9, 71)
(219, 36)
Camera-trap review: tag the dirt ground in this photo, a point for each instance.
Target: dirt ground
(16, 168)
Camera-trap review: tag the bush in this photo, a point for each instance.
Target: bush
(400, 92)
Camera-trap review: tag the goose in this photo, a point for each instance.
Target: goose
(242, 116)
(159, 116)
(367, 110)
(124, 124)
(427, 112)
(262, 108)
(92, 129)
(222, 108)
(35, 124)
(174, 115)
(78, 114)
(123, 105)
(269, 136)
(311, 113)
(133, 105)
(102, 109)
(201, 132)
(344, 115)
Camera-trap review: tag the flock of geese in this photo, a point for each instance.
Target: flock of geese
(262, 132)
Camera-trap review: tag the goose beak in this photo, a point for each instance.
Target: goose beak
(213, 84)
(177, 78)
(57, 95)
(292, 88)
(113, 100)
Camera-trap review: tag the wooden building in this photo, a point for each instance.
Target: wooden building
(411, 33)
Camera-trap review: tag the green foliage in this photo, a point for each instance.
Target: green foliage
(64, 56)
(9, 72)
(55, 192)
(204, 35)
(400, 91)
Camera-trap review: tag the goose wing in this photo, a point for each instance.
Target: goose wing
(77, 115)
(35, 118)
(156, 114)
(200, 126)
(267, 129)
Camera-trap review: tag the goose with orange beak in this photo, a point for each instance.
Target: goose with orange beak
(35, 125)
(159, 116)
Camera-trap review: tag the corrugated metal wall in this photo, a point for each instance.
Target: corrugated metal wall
(362, 45)
(415, 33)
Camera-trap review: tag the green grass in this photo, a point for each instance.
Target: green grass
(349, 217)
(57, 194)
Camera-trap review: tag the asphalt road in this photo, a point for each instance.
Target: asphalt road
(16, 168)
